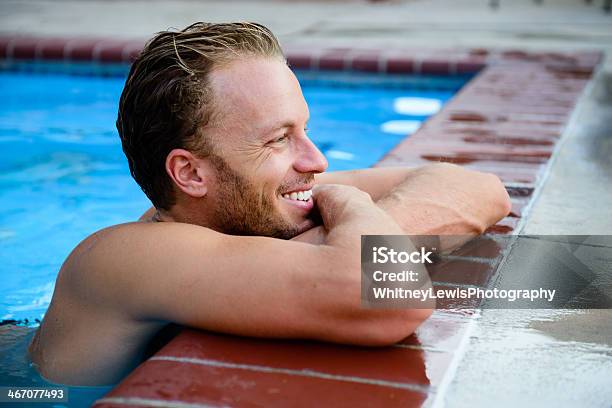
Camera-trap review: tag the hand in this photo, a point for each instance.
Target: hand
(447, 199)
(348, 213)
(335, 204)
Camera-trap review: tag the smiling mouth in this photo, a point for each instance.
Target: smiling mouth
(302, 195)
(301, 200)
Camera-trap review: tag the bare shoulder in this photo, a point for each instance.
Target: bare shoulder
(124, 242)
(109, 264)
(135, 235)
(97, 301)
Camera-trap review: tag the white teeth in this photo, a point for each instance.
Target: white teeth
(300, 195)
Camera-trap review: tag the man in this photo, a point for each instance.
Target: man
(213, 124)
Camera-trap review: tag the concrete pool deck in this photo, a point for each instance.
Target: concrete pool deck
(505, 357)
(415, 24)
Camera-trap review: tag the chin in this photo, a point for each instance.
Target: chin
(295, 216)
(289, 227)
(305, 226)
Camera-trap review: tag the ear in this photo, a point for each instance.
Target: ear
(189, 173)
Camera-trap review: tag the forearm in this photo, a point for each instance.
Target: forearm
(422, 215)
(357, 215)
(345, 219)
(373, 222)
(414, 217)
(445, 199)
(344, 224)
(377, 182)
(434, 199)
(418, 199)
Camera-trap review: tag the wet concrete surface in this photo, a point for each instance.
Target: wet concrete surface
(529, 358)
(576, 197)
(554, 358)
(578, 274)
(589, 326)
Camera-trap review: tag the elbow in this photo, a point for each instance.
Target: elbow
(505, 203)
(351, 323)
(498, 203)
(339, 316)
(501, 199)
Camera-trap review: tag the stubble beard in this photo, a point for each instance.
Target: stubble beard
(242, 210)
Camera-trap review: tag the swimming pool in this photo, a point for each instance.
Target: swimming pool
(63, 174)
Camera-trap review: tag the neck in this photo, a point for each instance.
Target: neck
(185, 215)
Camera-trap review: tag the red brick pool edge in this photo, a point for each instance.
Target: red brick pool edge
(506, 120)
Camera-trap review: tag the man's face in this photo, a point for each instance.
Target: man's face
(263, 156)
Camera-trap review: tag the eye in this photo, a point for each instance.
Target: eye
(279, 139)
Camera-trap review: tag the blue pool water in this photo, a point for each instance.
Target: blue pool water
(63, 174)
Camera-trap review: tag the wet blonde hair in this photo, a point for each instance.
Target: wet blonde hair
(167, 100)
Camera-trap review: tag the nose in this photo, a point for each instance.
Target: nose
(309, 157)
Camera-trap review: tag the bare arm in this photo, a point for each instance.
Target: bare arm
(439, 199)
(376, 181)
(254, 286)
(447, 199)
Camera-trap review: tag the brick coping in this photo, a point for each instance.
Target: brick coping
(395, 60)
(506, 120)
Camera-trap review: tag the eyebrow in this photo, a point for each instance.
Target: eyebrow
(286, 124)
(283, 125)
